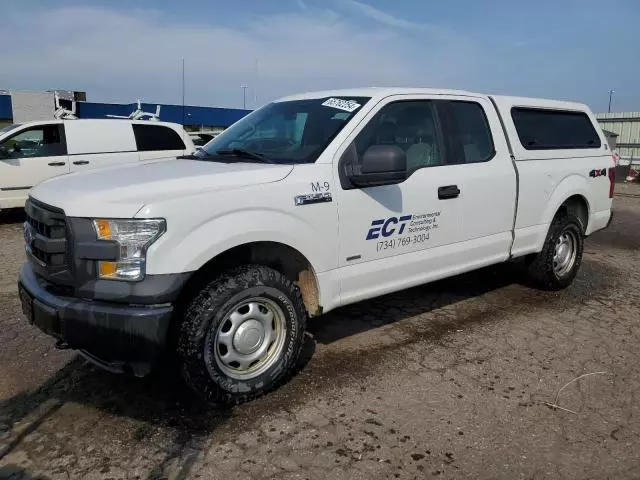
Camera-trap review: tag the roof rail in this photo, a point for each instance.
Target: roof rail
(62, 113)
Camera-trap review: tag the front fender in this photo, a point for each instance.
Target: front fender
(208, 240)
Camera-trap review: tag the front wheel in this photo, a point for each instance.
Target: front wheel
(242, 334)
(555, 267)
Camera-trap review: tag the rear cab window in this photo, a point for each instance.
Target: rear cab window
(546, 129)
(150, 138)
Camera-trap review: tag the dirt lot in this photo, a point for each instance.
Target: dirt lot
(448, 380)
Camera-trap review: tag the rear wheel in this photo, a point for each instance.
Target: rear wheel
(242, 334)
(556, 266)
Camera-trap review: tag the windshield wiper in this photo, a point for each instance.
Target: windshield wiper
(240, 152)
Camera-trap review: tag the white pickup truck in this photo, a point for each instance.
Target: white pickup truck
(312, 202)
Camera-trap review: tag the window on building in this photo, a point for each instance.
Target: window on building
(151, 138)
(540, 129)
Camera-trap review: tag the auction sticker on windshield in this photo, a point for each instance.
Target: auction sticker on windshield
(340, 104)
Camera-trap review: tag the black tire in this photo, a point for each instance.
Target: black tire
(204, 316)
(541, 265)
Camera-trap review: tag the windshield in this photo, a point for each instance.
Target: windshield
(296, 131)
(8, 128)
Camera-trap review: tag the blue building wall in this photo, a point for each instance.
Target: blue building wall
(6, 111)
(208, 116)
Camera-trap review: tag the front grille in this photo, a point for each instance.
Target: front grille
(46, 240)
(49, 231)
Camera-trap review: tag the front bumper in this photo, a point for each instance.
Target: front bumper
(117, 337)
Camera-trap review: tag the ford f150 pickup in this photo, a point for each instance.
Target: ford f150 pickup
(312, 202)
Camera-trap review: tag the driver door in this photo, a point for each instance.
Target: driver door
(392, 235)
(28, 157)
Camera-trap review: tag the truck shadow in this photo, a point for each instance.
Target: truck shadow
(161, 400)
(13, 472)
(163, 397)
(374, 313)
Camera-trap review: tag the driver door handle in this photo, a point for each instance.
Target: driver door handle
(449, 191)
(57, 164)
(81, 162)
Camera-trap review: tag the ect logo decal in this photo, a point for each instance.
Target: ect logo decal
(387, 227)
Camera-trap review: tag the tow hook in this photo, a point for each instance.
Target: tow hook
(62, 345)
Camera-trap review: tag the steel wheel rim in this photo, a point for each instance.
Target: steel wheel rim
(250, 338)
(564, 253)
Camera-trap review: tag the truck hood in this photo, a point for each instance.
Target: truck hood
(122, 191)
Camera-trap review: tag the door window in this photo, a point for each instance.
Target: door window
(150, 138)
(409, 125)
(40, 141)
(466, 132)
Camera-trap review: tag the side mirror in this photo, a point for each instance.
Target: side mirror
(381, 165)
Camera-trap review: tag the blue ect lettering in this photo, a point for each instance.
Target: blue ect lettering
(387, 227)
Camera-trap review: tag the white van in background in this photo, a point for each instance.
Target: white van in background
(36, 151)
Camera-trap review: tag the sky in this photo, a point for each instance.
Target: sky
(119, 51)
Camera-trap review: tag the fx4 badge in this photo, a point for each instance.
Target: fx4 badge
(598, 173)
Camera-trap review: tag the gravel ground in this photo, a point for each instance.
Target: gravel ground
(448, 380)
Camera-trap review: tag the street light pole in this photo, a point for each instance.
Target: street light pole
(611, 92)
(183, 91)
(244, 95)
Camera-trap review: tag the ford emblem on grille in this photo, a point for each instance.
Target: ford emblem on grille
(28, 235)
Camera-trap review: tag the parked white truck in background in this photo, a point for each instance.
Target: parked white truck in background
(36, 151)
(309, 203)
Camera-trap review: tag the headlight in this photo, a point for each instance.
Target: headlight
(133, 238)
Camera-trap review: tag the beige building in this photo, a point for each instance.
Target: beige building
(627, 127)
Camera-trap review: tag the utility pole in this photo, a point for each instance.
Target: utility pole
(183, 91)
(255, 88)
(244, 95)
(611, 92)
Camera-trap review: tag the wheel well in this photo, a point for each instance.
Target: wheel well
(286, 260)
(578, 206)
